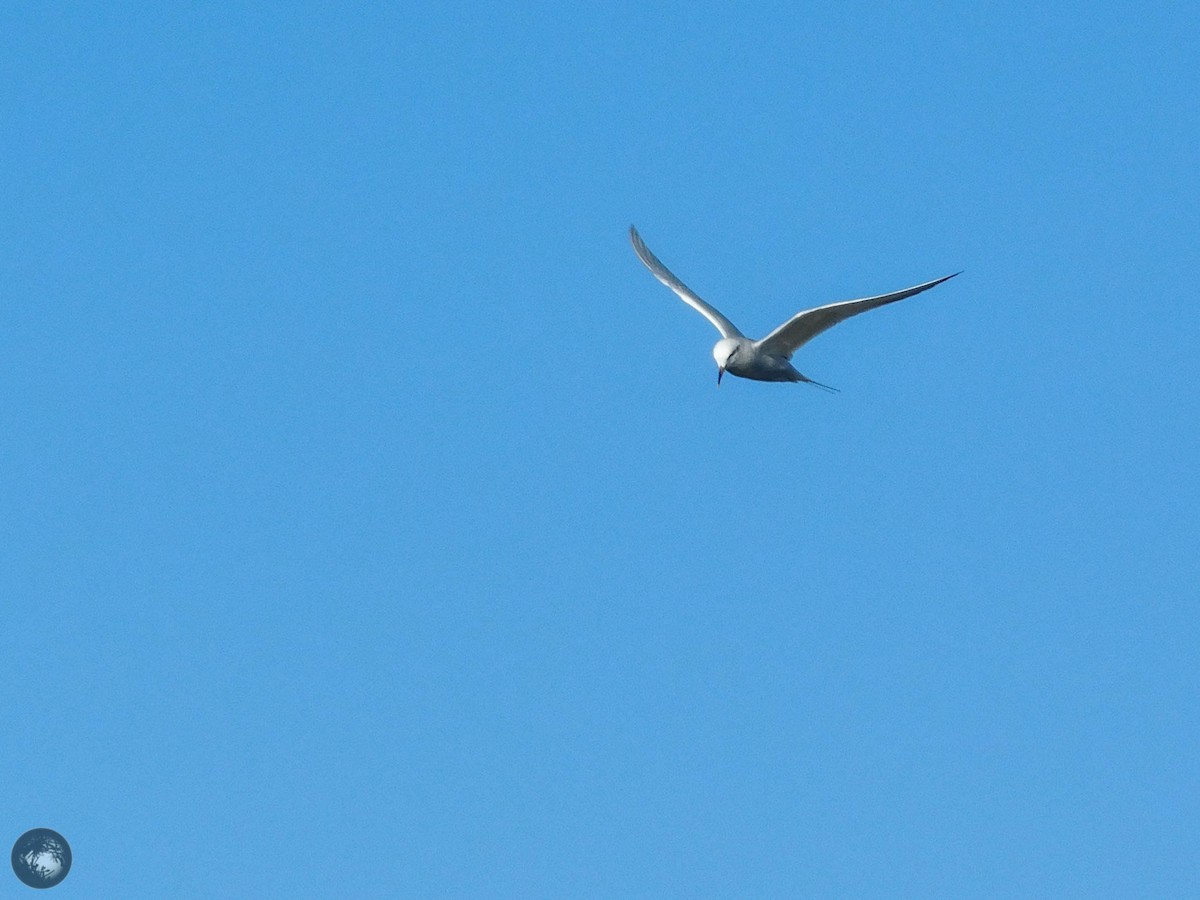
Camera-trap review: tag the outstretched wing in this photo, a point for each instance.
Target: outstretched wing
(804, 326)
(686, 294)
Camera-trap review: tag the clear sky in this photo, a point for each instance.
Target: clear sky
(374, 525)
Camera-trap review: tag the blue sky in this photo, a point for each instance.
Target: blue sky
(373, 524)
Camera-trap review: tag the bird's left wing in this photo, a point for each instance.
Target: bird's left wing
(804, 326)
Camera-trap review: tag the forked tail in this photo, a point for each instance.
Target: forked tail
(823, 387)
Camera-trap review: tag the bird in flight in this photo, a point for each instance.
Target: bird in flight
(768, 359)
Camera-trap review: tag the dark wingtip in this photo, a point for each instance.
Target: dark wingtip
(942, 280)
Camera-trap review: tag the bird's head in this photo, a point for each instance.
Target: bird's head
(723, 351)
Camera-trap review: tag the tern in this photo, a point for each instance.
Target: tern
(768, 359)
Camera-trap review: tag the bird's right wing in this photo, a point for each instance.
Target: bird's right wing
(686, 294)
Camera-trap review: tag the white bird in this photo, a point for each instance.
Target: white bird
(768, 359)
